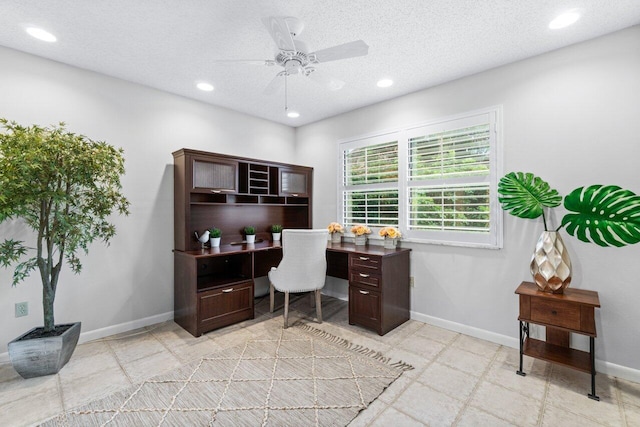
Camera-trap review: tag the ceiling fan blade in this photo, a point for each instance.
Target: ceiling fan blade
(280, 33)
(343, 51)
(274, 85)
(323, 79)
(267, 62)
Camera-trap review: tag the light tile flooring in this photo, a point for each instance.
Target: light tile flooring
(458, 380)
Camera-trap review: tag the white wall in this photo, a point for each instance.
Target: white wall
(129, 283)
(572, 117)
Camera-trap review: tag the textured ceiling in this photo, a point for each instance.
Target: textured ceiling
(172, 44)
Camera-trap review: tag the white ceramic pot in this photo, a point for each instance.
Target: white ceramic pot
(214, 242)
(251, 238)
(276, 236)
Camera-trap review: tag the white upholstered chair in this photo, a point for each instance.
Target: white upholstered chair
(303, 267)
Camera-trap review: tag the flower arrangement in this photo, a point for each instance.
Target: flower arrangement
(335, 227)
(390, 232)
(360, 230)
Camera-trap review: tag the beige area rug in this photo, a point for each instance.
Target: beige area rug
(305, 377)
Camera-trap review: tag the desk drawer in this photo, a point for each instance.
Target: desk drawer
(365, 262)
(365, 308)
(556, 313)
(364, 278)
(225, 305)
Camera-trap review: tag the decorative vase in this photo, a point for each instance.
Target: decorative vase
(214, 242)
(276, 236)
(336, 237)
(390, 243)
(37, 357)
(550, 263)
(251, 238)
(360, 240)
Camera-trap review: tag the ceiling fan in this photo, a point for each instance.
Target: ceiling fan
(294, 56)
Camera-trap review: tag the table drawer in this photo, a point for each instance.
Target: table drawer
(365, 308)
(364, 278)
(365, 262)
(225, 305)
(556, 313)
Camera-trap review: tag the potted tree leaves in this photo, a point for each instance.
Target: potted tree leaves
(606, 215)
(64, 187)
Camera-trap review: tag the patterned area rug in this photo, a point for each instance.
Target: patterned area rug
(305, 377)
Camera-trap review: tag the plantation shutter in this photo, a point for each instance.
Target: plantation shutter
(370, 184)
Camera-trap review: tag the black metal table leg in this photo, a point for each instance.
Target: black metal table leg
(592, 355)
(523, 329)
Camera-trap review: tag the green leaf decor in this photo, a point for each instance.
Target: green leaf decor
(604, 215)
(525, 195)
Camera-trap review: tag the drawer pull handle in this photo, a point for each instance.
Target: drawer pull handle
(294, 195)
(364, 292)
(364, 275)
(554, 312)
(364, 258)
(216, 191)
(226, 291)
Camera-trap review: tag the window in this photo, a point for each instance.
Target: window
(435, 182)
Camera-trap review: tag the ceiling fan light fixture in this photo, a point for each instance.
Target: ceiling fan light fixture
(384, 83)
(41, 34)
(204, 86)
(293, 114)
(565, 19)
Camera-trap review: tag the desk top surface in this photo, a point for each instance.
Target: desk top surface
(581, 296)
(266, 245)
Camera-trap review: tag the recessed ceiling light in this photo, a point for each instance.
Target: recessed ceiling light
(293, 114)
(41, 34)
(384, 82)
(564, 20)
(207, 87)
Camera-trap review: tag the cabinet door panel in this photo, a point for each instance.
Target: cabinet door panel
(365, 308)
(294, 182)
(215, 175)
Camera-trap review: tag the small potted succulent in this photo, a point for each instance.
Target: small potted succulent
(276, 232)
(214, 237)
(250, 233)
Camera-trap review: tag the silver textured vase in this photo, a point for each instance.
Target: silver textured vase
(550, 263)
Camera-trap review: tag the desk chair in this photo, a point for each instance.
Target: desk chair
(303, 267)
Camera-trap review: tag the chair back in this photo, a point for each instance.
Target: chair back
(304, 260)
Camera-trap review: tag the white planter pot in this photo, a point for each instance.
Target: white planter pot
(251, 238)
(276, 236)
(214, 242)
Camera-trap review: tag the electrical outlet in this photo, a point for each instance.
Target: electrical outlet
(22, 309)
(411, 282)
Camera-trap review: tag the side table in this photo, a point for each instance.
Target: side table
(560, 314)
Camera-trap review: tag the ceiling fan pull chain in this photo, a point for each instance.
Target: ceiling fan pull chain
(286, 107)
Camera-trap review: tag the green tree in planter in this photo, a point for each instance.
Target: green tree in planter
(606, 215)
(64, 187)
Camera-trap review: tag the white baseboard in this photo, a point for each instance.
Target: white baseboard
(112, 330)
(602, 366)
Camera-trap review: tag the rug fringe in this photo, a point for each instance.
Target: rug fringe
(360, 349)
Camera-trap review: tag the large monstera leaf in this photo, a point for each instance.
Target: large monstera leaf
(604, 215)
(525, 195)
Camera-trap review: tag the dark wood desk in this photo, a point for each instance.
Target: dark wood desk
(214, 287)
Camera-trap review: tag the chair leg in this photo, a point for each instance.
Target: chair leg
(319, 305)
(312, 298)
(286, 310)
(271, 297)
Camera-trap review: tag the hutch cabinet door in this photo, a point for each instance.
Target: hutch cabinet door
(215, 175)
(294, 182)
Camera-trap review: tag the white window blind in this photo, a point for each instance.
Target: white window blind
(436, 182)
(370, 183)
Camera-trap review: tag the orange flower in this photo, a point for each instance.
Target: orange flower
(390, 232)
(335, 227)
(359, 230)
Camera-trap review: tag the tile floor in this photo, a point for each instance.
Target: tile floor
(458, 380)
